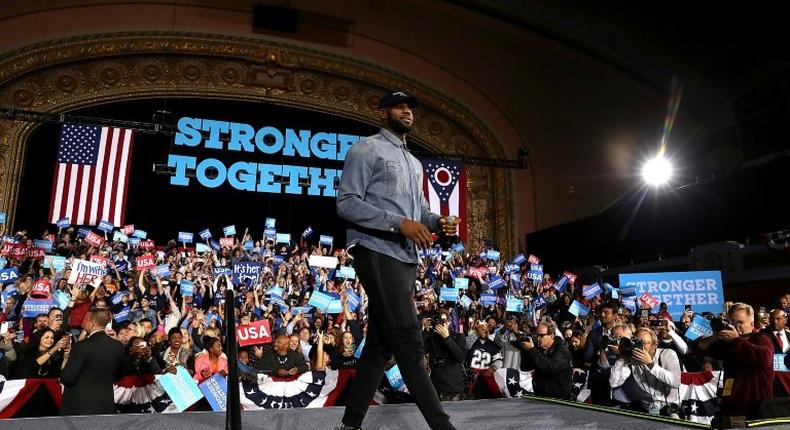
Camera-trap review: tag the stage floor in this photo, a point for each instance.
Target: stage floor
(467, 415)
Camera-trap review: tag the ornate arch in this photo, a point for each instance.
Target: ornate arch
(62, 75)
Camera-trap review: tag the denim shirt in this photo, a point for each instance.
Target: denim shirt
(381, 185)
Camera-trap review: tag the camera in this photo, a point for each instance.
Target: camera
(656, 323)
(626, 346)
(719, 324)
(438, 318)
(607, 341)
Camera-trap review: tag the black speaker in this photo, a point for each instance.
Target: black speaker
(276, 18)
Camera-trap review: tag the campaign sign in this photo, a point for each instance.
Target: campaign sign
(326, 240)
(458, 248)
(561, 284)
(578, 309)
(63, 223)
(214, 245)
(283, 238)
(3, 262)
(182, 389)
(120, 237)
(270, 223)
(699, 327)
(145, 262)
(347, 272)
(142, 234)
(520, 259)
(85, 272)
(256, 333)
(201, 248)
(269, 233)
(323, 261)
(570, 276)
(45, 244)
(514, 305)
(629, 302)
(320, 300)
(83, 232)
(535, 272)
(162, 270)
(55, 262)
(301, 310)
(540, 302)
(488, 299)
(128, 229)
(226, 242)
(94, 239)
(307, 232)
(515, 280)
(448, 295)
(134, 242)
(249, 245)
(492, 255)
(187, 288)
(104, 261)
(703, 290)
(147, 245)
(353, 300)
(185, 237)
(647, 301)
(36, 253)
(358, 352)
(60, 299)
(461, 283)
(3, 217)
(229, 230)
(246, 272)
(222, 271)
(533, 259)
(117, 298)
(122, 315)
(215, 389)
(18, 251)
(779, 363)
(205, 234)
(335, 307)
(105, 226)
(495, 282)
(466, 301)
(590, 291)
(512, 268)
(395, 379)
(32, 307)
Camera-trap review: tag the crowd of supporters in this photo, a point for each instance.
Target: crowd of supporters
(503, 317)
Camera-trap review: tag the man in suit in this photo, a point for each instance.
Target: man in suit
(92, 367)
(780, 337)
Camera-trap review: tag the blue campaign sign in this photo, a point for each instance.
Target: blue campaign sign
(326, 240)
(205, 234)
(535, 272)
(3, 262)
(122, 315)
(516, 280)
(215, 389)
(519, 259)
(60, 299)
(514, 304)
(488, 299)
(561, 284)
(201, 248)
(187, 288)
(269, 233)
(9, 276)
(335, 307)
(590, 291)
(162, 270)
(182, 389)
(358, 352)
(229, 230)
(699, 327)
(32, 307)
(307, 232)
(347, 272)
(246, 272)
(3, 217)
(320, 300)
(63, 223)
(185, 237)
(214, 245)
(492, 255)
(615, 294)
(448, 295)
(458, 247)
(283, 238)
(47, 245)
(105, 226)
(249, 245)
(55, 262)
(275, 291)
(461, 283)
(270, 223)
(495, 282)
(120, 237)
(83, 232)
(466, 301)
(540, 302)
(628, 291)
(353, 300)
(629, 302)
(578, 309)
(394, 378)
(301, 310)
(142, 234)
(134, 241)
(512, 268)
(117, 297)
(704, 291)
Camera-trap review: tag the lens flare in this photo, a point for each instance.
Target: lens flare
(657, 171)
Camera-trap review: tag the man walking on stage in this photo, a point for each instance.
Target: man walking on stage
(381, 197)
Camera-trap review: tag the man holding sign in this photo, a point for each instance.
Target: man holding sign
(380, 196)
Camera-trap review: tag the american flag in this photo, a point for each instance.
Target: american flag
(444, 186)
(91, 174)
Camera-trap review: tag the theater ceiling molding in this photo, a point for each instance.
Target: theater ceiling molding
(62, 75)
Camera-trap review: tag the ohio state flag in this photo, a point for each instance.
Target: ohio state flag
(444, 186)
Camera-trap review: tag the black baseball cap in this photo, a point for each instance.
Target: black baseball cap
(395, 98)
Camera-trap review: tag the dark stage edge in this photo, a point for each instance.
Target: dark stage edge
(466, 415)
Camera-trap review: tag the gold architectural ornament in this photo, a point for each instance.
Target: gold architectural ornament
(66, 74)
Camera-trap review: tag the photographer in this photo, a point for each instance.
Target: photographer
(644, 377)
(748, 363)
(446, 352)
(595, 355)
(551, 360)
(508, 341)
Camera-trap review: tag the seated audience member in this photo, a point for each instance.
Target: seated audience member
(281, 360)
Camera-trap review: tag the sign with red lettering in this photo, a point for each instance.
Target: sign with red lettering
(36, 253)
(145, 262)
(648, 301)
(101, 260)
(94, 239)
(19, 251)
(226, 241)
(85, 272)
(256, 333)
(147, 244)
(478, 273)
(128, 229)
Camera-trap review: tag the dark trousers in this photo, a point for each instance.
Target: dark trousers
(393, 329)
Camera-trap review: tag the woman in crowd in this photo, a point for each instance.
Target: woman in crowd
(176, 353)
(42, 356)
(211, 362)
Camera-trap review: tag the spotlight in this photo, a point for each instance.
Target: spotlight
(657, 171)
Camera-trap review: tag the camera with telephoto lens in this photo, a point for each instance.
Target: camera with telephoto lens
(438, 318)
(607, 341)
(626, 346)
(718, 324)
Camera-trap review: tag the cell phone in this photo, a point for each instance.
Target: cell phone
(4, 327)
(644, 313)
